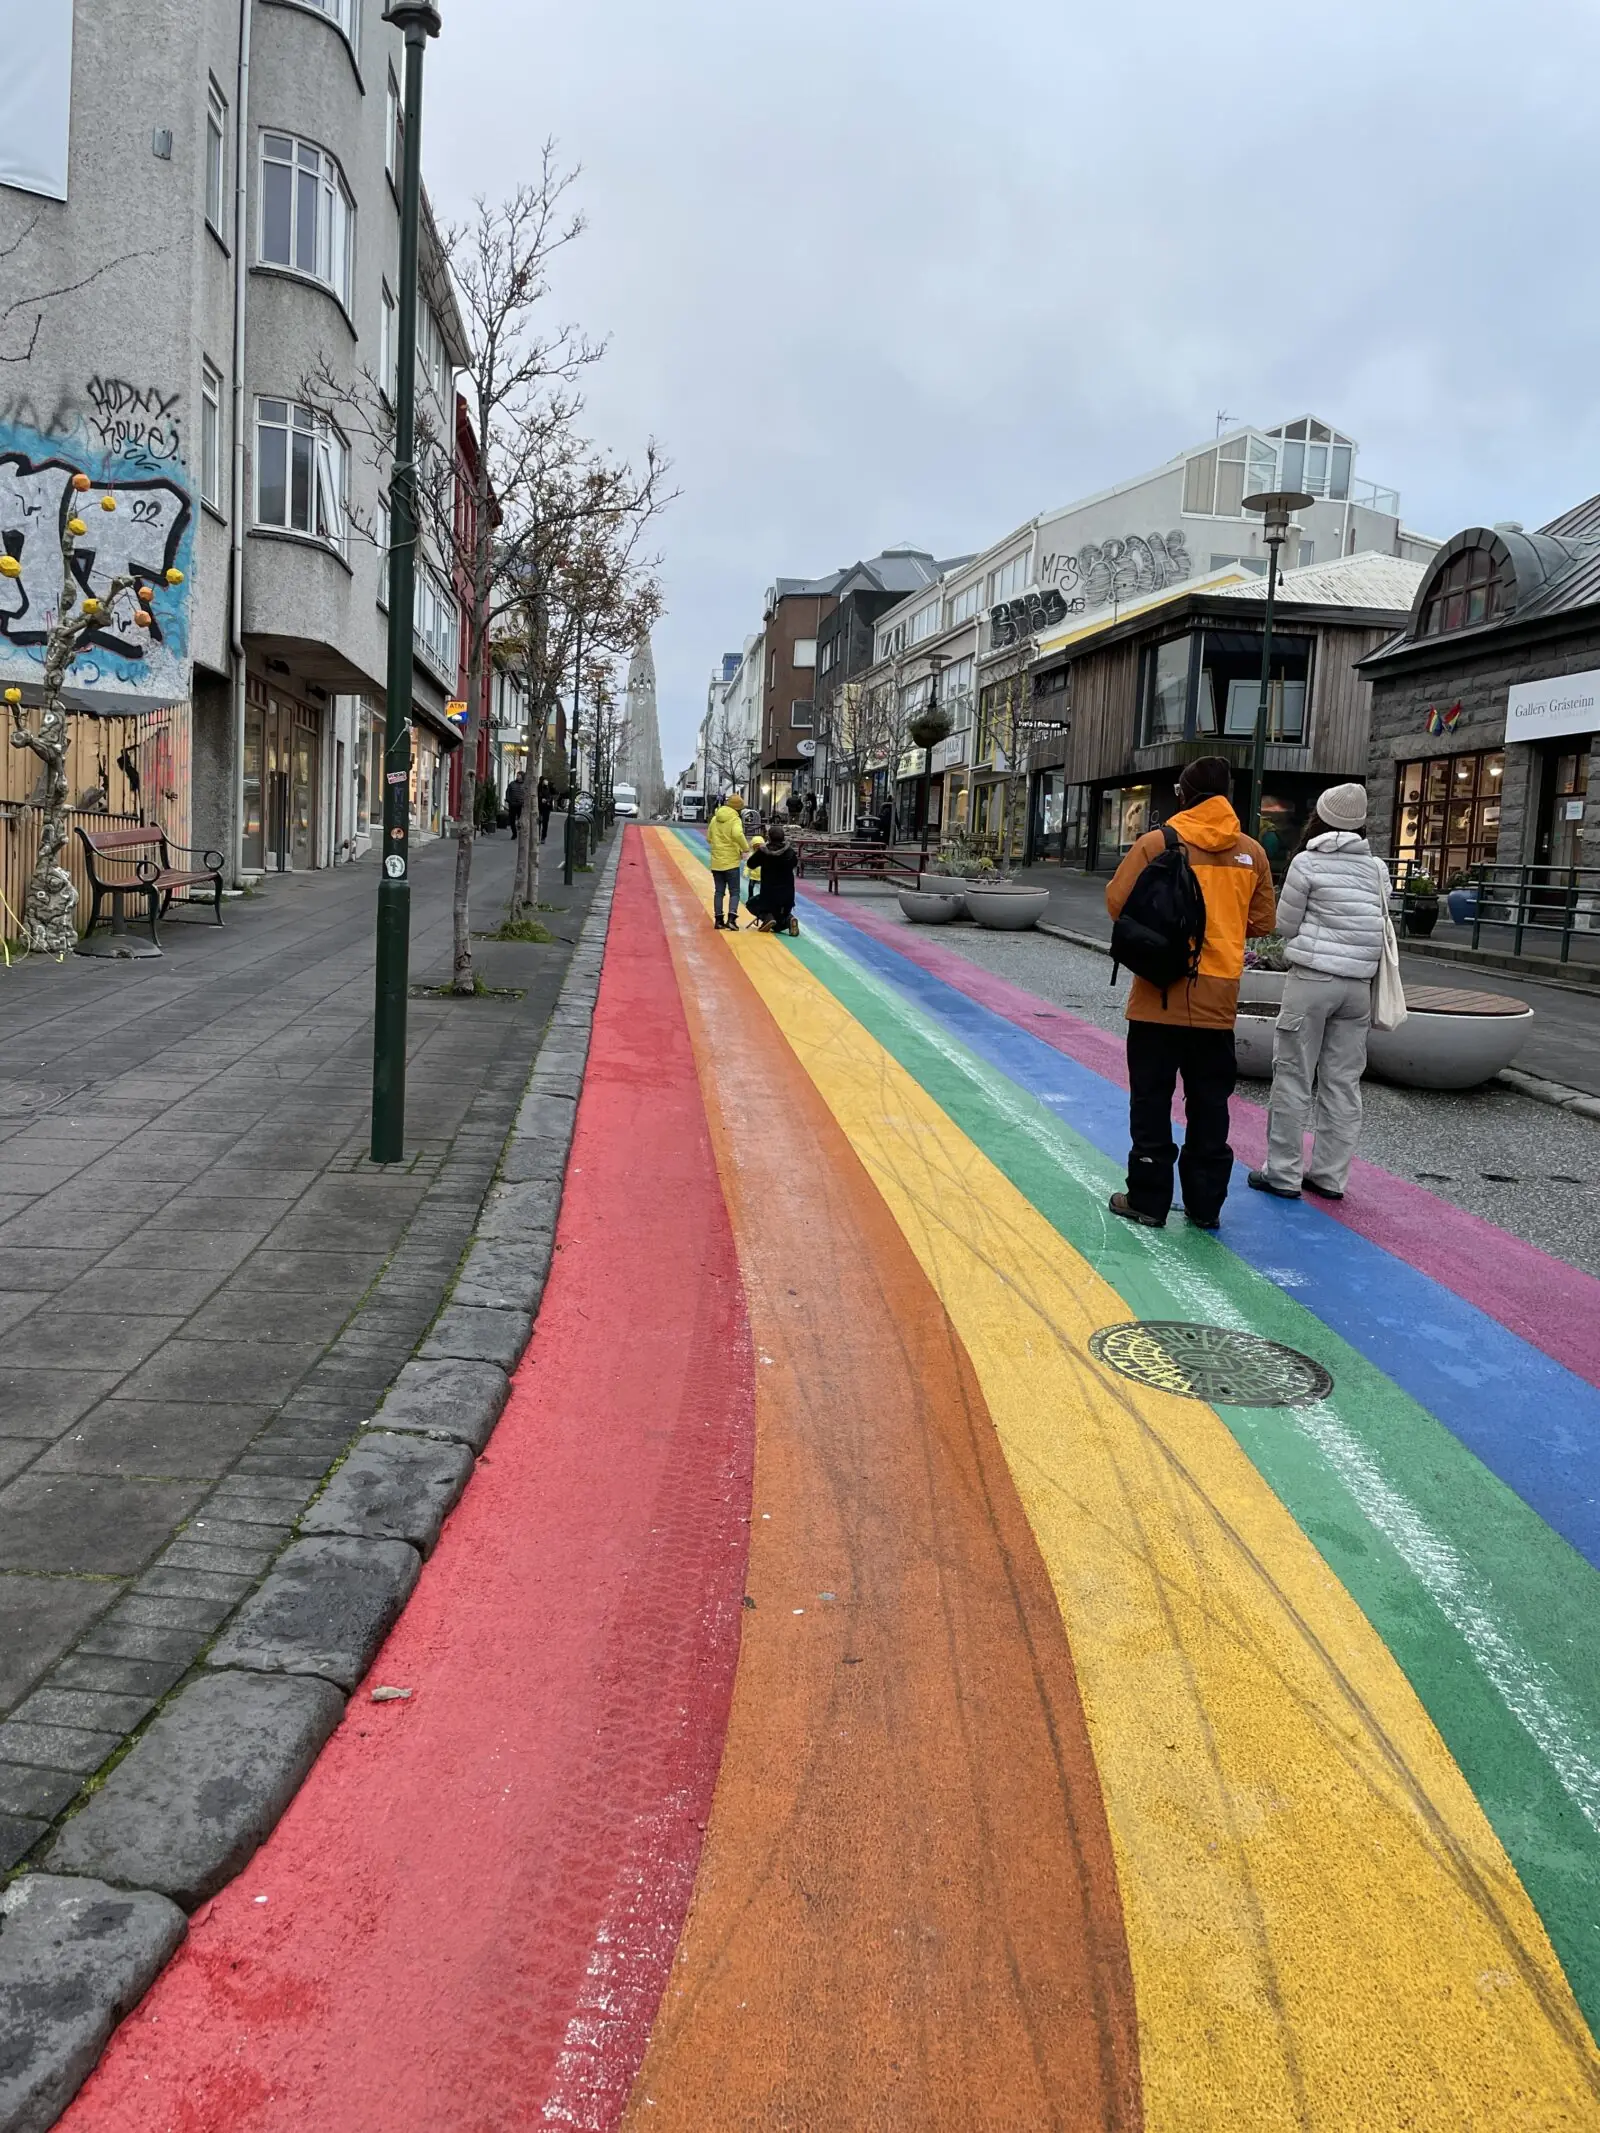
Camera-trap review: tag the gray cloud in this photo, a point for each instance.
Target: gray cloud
(881, 270)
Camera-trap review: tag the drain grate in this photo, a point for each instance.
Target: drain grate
(1211, 1363)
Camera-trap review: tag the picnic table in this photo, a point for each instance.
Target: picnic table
(861, 862)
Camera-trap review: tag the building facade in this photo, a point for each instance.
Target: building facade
(1486, 707)
(1004, 612)
(238, 264)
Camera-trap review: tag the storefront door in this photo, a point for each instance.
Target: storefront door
(280, 786)
(1564, 787)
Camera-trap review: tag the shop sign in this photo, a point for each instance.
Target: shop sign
(1545, 710)
(910, 764)
(951, 751)
(805, 749)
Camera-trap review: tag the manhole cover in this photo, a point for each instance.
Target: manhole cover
(1211, 1363)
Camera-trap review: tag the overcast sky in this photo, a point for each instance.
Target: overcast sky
(877, 271)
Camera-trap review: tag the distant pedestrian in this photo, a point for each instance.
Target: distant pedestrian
(516, 794)
(792, 805)
(728, 842)
(1185, 1026)
(775, 910)
(1332, 915)
(547, 800)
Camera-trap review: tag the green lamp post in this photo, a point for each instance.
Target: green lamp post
(418, 20)
(1277, 507)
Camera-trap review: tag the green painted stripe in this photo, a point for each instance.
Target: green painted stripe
(1490, 1615)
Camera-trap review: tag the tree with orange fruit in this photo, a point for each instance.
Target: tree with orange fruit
(50, 900)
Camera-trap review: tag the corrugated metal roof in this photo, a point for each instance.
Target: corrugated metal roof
(1366, 580)
(1580, 522)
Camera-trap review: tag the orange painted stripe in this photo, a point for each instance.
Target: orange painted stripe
(907, 1911)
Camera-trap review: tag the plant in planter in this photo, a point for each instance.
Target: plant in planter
(1419, 905)
(1461, 895)
(1265, 968)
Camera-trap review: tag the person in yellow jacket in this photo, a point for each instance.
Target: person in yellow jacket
(728, 842)
(1188, 1030)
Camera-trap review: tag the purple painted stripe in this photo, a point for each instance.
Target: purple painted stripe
(1539, 1298)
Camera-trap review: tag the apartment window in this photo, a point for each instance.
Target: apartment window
(800, 714)
(1006, 582)
(302, 472)
(211, 434)
(216, 156)
(1165, 691)
(805, 652)
(307, 220)
(385, 542)
(436, 624)
(925, 622)
(890, 641)
(1313, 458)
(388, 347)
(433, 358)
(394, 131)
(966, 603)
(345, 13)
(1230, 687)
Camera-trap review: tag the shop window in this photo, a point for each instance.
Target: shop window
(1230, 687)
(1164, 691)
(1472, 587)
(1447, 813)
(1124, 818)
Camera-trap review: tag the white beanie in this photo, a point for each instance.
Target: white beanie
(1343, 807)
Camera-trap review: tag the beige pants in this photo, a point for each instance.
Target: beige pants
(1321, 1037)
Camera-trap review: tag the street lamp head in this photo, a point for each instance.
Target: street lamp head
(935, 662)
(1277, 507)
(408, 15)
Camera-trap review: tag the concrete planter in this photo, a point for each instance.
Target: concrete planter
(1447, 1051)
(1004, 909)
(1252, 1037)
(926, 907)
(1258, 986)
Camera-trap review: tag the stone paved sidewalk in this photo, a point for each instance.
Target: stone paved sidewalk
(204, 1283)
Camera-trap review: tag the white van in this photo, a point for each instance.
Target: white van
(691, 805)
(625, 799)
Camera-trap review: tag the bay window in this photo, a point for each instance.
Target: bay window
(302, 472)
(307, 220)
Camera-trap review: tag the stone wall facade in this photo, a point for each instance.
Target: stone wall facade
(1479, 678)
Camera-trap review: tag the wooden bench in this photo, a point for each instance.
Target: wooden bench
(138, 862)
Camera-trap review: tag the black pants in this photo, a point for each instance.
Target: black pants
(1158, 1052)
(544, 823)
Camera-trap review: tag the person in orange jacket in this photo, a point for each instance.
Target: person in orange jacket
(1189, 1031)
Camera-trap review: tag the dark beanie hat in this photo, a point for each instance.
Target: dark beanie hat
(1206, 776)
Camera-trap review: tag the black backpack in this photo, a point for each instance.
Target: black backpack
(1161, 929)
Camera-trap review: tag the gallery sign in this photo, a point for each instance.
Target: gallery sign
(1546, 710)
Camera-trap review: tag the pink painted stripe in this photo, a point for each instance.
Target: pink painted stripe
(1541, 1299)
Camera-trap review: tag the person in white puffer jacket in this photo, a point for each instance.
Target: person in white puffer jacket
(1331, 916)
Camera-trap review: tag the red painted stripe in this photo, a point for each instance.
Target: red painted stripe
(1540, 1298)
(474, 1902)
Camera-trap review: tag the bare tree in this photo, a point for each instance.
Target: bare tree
(50, 900)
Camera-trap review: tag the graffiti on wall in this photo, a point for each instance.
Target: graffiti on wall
(1013, 620)
(137, 423)
(1119, 569)
(148, 532)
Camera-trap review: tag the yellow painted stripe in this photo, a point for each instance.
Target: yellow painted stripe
(1324, 1929)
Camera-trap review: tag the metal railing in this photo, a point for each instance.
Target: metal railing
(1521, 900)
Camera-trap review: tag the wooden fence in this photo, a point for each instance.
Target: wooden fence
(120, 771)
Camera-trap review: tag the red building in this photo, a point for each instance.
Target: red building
(468, 463)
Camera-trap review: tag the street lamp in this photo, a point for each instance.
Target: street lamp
(1276, 506)
(418, 20)
(927, 729)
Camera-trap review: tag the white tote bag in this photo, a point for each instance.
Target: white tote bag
(1388, 994)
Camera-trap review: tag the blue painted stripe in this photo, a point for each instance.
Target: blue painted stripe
(1531, 1422)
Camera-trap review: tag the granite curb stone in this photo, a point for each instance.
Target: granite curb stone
(324, 1610)
(392, 1488)
(446, 1398)
(75, 1956)
(498, 1275)
(185, 1809)
(474, 1333)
